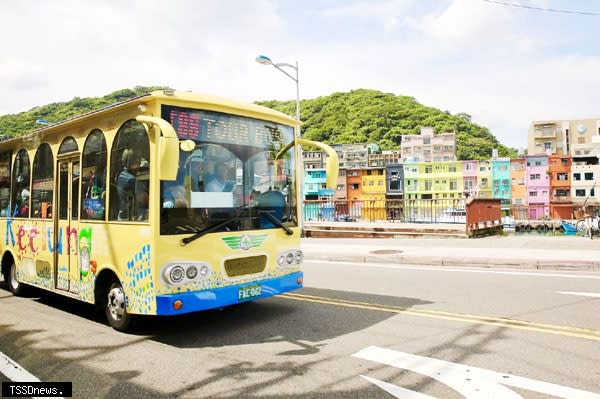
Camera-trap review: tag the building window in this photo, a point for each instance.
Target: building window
(428, 169)
(68, 145)
(548, 146)
(428, 185)
(533, 193)
(577, 176)
(589, 176)
(453, 184)
(535, 176)
(580, 193)
(562, 177)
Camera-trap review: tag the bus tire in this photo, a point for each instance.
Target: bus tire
(11, 278)
(116, 309)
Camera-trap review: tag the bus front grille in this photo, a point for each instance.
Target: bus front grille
(243, 266)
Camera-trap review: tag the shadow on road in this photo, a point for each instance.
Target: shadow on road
(273, 319)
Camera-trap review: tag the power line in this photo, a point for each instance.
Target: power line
(504, 3)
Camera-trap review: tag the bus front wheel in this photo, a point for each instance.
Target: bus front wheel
(13, 285)
(116, 309)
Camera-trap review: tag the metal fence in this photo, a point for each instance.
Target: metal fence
(434, 211)
(408, 210)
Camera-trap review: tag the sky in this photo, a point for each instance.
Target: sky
(505, 66)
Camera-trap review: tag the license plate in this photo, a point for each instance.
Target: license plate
(252, 291)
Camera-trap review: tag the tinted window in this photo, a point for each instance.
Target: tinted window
(68, 145)
(5, 158)
(20, 182)
(43, 182)
(130, 172)
(93, 185)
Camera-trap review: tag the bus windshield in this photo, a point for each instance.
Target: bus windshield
(231, 180)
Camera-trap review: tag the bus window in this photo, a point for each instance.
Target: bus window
(21, 190)
(43, 181)
(93, 184)
(5, 158)
(130, 166)
(68, 145)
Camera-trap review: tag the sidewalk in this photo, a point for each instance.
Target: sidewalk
(522, 252)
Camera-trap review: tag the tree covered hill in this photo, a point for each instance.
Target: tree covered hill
(363, 115)
(23, 122)
(357, 116)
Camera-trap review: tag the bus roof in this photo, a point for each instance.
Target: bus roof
(182, 98)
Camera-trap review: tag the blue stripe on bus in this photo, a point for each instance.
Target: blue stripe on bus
(220, 297)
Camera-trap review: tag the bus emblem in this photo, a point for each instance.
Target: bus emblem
(245, 241)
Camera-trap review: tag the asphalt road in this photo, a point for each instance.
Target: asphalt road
(354, 331)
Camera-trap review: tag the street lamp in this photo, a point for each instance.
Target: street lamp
(264, 60)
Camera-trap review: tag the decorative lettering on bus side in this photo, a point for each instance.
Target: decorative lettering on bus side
(36, 239)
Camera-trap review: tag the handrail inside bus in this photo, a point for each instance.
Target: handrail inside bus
(332, 165)
(168, 146)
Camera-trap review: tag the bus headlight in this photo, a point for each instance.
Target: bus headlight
(191, 272)
(204, 270)
(176, 274)
(290, 258)
(184, 272)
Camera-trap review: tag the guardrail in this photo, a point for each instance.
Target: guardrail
(408, 210)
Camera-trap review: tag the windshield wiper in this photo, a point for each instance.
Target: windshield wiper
(276, 221)
(209, 229)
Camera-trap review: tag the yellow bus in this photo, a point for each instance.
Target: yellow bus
(168, 203)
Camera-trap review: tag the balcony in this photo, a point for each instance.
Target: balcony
(560, 199)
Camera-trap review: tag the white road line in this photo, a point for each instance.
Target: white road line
(471, 382)
(397, 391)
(14, 372)
(590, 294)
(456, 270)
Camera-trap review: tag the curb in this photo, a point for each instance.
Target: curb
(561, 265)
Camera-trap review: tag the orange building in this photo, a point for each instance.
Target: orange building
(518, 190)
(559, 170)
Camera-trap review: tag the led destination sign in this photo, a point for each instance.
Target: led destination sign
(216, 127)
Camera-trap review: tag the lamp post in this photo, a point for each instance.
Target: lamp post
(264, 60)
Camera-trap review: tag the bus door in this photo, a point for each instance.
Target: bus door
(66, 226)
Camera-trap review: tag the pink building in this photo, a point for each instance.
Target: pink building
(537, 184)
(470, 179)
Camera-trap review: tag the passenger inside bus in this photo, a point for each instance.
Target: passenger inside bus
(219, 181)
(126, 186)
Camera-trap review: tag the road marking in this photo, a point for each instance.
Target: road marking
(397, 391)
(14, 372)
(471, 382)
(574, 332)
(590, 294)
(459, 270)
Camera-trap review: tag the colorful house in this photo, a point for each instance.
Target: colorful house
(470, 179)
(484, 179)
(518, 191)
(559, 171)
(501, 181)
(373, 195)
(411, 179)
(537, 182)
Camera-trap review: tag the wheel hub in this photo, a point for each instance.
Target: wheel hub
(116, 303)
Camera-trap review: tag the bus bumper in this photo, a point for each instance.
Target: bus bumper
(226, 296)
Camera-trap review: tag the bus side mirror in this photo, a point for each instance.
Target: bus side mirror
(168, 146)
(332, 165)
(169, 157)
